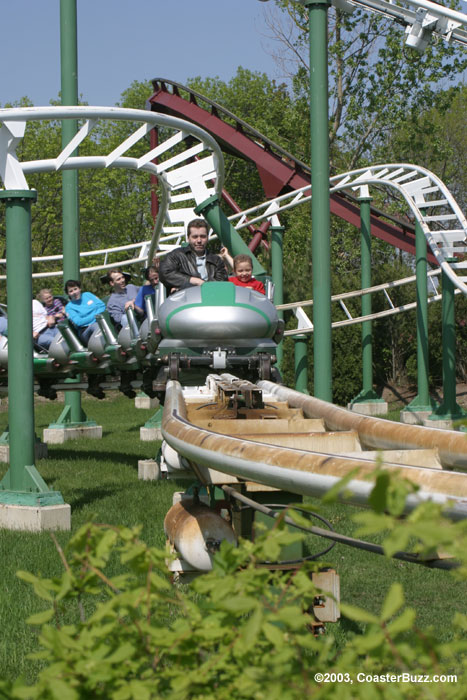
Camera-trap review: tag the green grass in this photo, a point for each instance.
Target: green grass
(435, 594)
(98, 478)
(393, 414)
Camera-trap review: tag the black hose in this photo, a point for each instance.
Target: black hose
(267, 510)
(337, 537)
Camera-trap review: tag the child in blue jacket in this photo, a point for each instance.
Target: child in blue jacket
(82, 309)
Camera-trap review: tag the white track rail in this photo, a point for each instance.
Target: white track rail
(428, 199)
(425, 19)
(183, 183)
(430, 203)
(305, 325)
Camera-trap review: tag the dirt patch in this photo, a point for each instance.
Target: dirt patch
(400, 396)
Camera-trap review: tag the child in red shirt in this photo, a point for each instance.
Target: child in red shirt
(243, 277)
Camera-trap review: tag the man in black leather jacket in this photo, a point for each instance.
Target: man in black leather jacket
(192, 265)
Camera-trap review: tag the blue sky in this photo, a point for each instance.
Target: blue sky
(124, 40)
(120, 41)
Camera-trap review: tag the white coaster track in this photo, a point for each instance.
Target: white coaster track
(183, 183)
(428, 198)
(305, 325)
(425, 19)
(430, 203)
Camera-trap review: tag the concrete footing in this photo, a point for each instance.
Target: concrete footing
(146, 402)
(150, 434)
(40, 449)
(423, 418)
(57, 436)
(443, 423)
(370, 408)
(149, 470)
(417, 418)
(35, 518)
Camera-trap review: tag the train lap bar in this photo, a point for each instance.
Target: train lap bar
(279, 170)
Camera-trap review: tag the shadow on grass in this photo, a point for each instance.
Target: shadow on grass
(405, 400)
(134, 428)
(117, 457)
(80, 497)
(349, 626)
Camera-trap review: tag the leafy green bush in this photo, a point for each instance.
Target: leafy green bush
(240, 631)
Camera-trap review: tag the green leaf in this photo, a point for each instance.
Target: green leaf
(332, 495)
(139, 691)
(105, 544)
(61, 690)
(41, 618)
(397, 495)
(403, 623)
(159, 582)
(292, 616)
(66, 586)
(371, 523)
(26, 576)
(397, 540)
(238, 604)
(393, 601)
(252, 628)
(124, 652)
(134, 552)
(273, 634)
(41, 587)
(358, 614)
(372, 639)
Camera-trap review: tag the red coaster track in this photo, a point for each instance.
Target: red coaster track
(279, 171)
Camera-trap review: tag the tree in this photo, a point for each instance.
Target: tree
(264, 105)
(436, 138)
(374, 80)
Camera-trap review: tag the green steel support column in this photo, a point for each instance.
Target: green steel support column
(301, 363)
(70, 199)
(156, 420)
(367, 393)
(69, 94)
(422, 402)
(367, 340)
(72, 414)
(449, 409)
(210, 209)
(320, 213)
(20, 365)
(22, 484)
(277, 237)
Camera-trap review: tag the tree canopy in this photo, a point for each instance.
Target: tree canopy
(375, 81)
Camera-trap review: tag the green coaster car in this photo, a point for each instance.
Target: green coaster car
(219, 326)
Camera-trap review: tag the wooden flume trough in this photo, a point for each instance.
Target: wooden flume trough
(219, 457)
